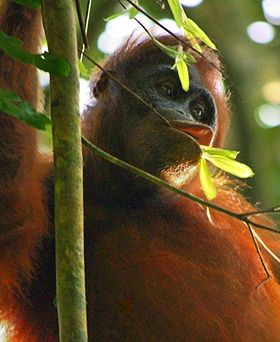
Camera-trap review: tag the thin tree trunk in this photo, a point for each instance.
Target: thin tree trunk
(60, 27)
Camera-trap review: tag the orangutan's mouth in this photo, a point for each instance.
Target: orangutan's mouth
(201, 133)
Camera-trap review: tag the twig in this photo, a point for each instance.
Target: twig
(251, 230)
(273, 210)
(243, 217)
(81, 23)
(157, 181)
(88, 10)
(266, 248)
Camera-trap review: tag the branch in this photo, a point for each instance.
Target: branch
(60, 27)
(88, 10)
(255, 239)
(157, 181)
(273, 210)
(82, 24)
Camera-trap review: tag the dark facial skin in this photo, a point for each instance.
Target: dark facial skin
(135, 134)
(164, 91)
(153, 145)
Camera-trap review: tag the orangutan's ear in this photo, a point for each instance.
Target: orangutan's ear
(101, 84)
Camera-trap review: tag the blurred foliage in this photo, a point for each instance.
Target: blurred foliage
(248, 67)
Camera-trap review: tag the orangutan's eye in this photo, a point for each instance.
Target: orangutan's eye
(198, 108)
(167, 89)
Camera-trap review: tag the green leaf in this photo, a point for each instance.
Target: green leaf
(13, 47)
(183, 72)
(54, 65)
(190, 26)
(188, 58)
(29, 3)
(219, 151)
(192, 41)
(177, 11)
(115, 15)
(206, 182)
(181, 60)
(47, 62)
(84, 72)
(191, 30)
(132, 12)
(229, 165)
(171, 51)
(12, 104)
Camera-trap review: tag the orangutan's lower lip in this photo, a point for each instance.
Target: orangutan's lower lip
(201, 133)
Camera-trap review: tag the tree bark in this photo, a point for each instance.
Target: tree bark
(60, 28)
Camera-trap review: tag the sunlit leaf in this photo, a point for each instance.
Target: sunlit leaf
(206, 182)
(132, 12)
(183, 72)
(115, 15)
(171, 51)
(192, 40)
(12, 104)
(29, 3)
(181, 60)
(229, 165)
(188, 58)
(219, 151)
(177, 11)
(84, 72)
(191, 30)
(190, 26)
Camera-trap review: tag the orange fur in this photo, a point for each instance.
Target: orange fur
(164, 271)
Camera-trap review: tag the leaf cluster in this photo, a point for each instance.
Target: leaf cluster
(224, 160)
